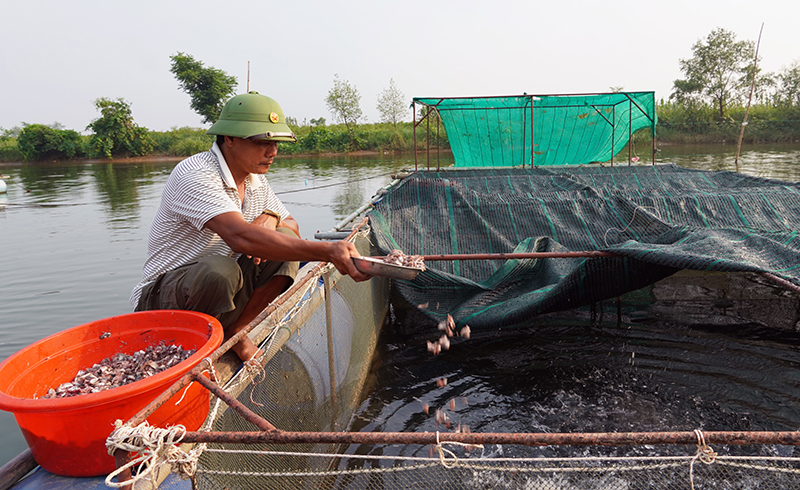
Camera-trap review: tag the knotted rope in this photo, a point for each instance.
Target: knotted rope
(156, 447)
(704, 453)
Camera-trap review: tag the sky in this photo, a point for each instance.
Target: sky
(58, 57)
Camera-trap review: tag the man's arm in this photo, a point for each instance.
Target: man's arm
(259, 241)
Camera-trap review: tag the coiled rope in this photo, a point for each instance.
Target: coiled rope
(156, 447)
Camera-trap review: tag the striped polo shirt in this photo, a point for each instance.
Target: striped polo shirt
(199, 188)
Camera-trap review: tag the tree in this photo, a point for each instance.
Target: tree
(392, 104)
(344, 101)
(715, 71)
(789, 85)
(115, 133)
(208, 87)
(39, 142)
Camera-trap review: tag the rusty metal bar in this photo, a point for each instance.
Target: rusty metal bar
(533, 146)
(539, 439)
(121, 458)
(630, 129)
(613, 131)
(438, 143)
(414, 125)
(781, 282)
(235, 404)
(529, 255)
(428, 138)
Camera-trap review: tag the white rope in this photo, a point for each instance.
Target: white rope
(156, 447)
(442, 450)
(704, 453)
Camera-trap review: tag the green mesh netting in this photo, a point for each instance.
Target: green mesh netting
(659, 219)
(567, 129)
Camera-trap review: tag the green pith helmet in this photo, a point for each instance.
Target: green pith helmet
(253, 116)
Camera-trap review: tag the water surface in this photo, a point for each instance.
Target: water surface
(74, 237)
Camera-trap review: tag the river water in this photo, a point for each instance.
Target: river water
(74, 237)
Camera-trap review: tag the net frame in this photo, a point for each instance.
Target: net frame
(501, 131)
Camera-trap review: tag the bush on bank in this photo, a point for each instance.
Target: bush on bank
(676, 124)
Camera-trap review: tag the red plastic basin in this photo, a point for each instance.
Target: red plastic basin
(67, 435)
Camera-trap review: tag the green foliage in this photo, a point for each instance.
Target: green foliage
(718, 67)
(392, 104)
(789, 85)
(40, 142)
(115, 133)
(678, 123)
(208, 87)
(382, 137)
(181, 142)
(9, 150)
(344, 101)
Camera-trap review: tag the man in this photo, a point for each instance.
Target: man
(222, 243)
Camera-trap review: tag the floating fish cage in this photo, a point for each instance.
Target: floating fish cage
(286, 425)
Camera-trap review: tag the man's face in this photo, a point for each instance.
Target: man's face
(251, 156)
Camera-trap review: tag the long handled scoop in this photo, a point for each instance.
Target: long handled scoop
(525, 255)
(375, 266)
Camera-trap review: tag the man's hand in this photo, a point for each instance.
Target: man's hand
(266, 221)
(341, 256)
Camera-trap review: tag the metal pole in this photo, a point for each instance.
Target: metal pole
(414, 124)
(533, 147)
(428, 137)
(438, 143)
(539, 439)
(630, 126)
(613, 131)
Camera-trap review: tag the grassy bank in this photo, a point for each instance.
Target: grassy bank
(765, 124)
(311, 140)
(676, 125)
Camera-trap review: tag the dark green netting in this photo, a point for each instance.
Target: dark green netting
(567, 129)
(659, 219)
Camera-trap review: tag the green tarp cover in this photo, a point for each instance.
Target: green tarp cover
(659, 219)
(567, 129)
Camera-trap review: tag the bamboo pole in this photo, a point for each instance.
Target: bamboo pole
(749, 100)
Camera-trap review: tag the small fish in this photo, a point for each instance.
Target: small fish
(465, 332)
(441, 382)
(452, 404)
(426, 408)
(423, 305)
(444, 341)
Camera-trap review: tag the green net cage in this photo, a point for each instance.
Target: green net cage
(540, 129)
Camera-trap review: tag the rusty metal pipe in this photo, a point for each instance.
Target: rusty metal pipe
(539, 439)
(235, 404)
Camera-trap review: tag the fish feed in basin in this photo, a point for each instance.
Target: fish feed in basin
(67, 435)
